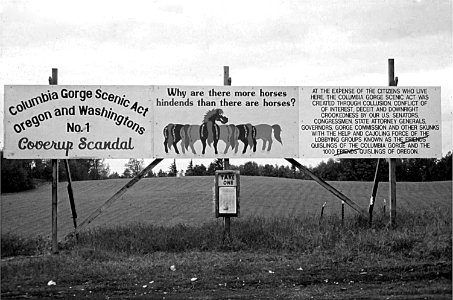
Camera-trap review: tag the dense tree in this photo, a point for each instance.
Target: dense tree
(250, 168)
(16, 175)
(161, 173)
(151, 174)
(98, 169)
(214, 166)
(114, 175)
(444, 167)
(127, 173)
(189, 170)
(173, 170)
(135, 166)
(199, 170)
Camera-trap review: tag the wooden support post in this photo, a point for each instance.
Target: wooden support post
(70, 193)
(53, 80)
(328, 187)
(322, 212)
(393, 81)
(118, 194)
(392, 194)
(342, 213)
(226, 161)
(374, 191)
(54, 205)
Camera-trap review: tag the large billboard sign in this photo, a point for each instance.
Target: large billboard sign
(59, 121)
(77, 121)
(226, 121)
(370, 122)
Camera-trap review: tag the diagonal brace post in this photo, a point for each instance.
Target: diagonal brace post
(118, 194)
(328, 187)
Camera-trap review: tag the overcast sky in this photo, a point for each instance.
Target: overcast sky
(291, 43)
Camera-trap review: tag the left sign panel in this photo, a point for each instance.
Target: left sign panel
(77, 122)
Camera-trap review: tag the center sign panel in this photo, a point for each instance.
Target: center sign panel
(225, 121)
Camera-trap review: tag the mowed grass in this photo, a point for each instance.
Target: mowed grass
(189, 200)
(279, 249)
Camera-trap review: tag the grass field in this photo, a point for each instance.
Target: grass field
(279, 249)
(188, 200)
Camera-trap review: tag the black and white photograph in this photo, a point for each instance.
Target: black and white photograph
(276, 149)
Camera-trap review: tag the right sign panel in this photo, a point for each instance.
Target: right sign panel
(365, 122)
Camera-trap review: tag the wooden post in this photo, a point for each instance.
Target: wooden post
(54, 81)
(54, 205)
(322, 212)
(342, 213)
(226, 161)
(374, 191)
(328, 187)
(71, 194)
(393, 81)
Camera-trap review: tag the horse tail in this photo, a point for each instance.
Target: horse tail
(182, 134)
(171, 134)
(210, 124)
(277, 131)
(250, 134)
(186, 136)
(232, 135)
(165, 132)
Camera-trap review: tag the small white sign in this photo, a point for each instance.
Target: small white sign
(227, 200)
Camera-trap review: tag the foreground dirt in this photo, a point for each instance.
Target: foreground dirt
(263, 277)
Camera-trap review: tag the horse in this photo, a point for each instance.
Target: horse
(209, 130)
(191, 135)
(173, 133)
(229, 134)
(247, 135)
(264, 132)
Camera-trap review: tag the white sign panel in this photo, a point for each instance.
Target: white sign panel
(365, 122)
(77, 122)
(225, 121)
(227, 200)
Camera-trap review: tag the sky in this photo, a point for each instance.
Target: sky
(288, 43)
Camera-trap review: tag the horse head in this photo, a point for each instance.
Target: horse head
(215, 115)
(222, 119)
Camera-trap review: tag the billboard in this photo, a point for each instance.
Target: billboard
(77, 121)
(58, 121)
(361, 122)
(225, 121)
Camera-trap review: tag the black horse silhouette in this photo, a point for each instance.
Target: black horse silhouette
(209, 130)
(173, 133)
(247, 135)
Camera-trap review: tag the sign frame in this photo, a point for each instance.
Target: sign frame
(222, 192)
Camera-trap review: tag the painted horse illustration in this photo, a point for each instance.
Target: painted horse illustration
(247, 135)
(173, 133)
(229, 134)
(191, 134)
(264, 132)
(209, 129)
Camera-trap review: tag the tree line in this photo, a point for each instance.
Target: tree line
(18, 175)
